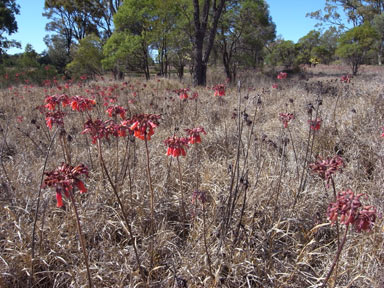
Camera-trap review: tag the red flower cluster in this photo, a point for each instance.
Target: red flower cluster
(52, 101)
(143, 125)
(315, 124)
(81, 104)
(275, 86)
(285, 118)
(219, 90)
(183, 93)
(97, 129)
(351, 211)
(116, 110)
(176, 146)
(325, 168)
(64, 178)
(382, 135)
(56, 117)
(282, 75)
(194, 135)
(345, 79)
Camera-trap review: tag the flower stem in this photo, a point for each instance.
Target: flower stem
(182, 204)
(81, 239)
(336, 258)
(125, 215)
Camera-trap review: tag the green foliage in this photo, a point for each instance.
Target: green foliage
(306, 46)
(87, 57)
(8, 25)
(282, 53)
(354, 45)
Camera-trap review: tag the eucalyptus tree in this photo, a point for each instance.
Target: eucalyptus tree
(8, 25)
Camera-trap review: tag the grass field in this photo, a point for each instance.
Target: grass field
(246, 207)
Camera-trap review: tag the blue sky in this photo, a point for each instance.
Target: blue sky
(288, 15)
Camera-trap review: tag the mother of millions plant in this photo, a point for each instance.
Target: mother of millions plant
(64, 179)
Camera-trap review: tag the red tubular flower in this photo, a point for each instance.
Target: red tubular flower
(194, 135)
(143, 125)
(52, 101)
(345, 79)
(315, 124)
(285, 118)
(219, 90)
(350, 210)
(54, 118)
(183, 93)
(116, 110)
(382, 135)
(97, 129)
(81, 104)
(282, 75)
(176, 146)
(325, 168)
(64, 178)
(275, 86)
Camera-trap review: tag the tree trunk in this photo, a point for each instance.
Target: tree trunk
(200, 55)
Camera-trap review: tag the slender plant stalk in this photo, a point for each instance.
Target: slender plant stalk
(182, 204)
(152, 228)
(336, 258)
(38, 203)
(294, 152)
(206, 243)
(81, 239)
(125, 215)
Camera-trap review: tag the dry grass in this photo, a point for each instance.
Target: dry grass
(267, 242)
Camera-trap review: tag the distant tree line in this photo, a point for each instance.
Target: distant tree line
(171, 36)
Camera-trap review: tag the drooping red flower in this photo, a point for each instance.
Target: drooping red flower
(345, 79)
(350, 210)
(325, 168)
(275, 86)
(176, 146)
(52, 101)
(194, 135)
(382, 135)
(116, 110)
(143, 125)
(219, 90)
(97, 129)
(56, 117)
(282, 75)
(315, 124)
(82, 104)
(285, 118)
(183, 93)
(64, 178)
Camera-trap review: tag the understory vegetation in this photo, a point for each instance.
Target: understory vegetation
(139, 183)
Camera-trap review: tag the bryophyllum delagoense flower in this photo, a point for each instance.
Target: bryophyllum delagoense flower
(97, 129)
(351, 211)
(282, 75)
(285, 118)
(143, 125)
(56, 117)
(315, 124)
(345, 79)
(194, 135)
(176, 146)
(183, 93)
(52, 101)
(116, 110)
(325, 168)
(64, 178)
(219, 90)
(81, 104)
